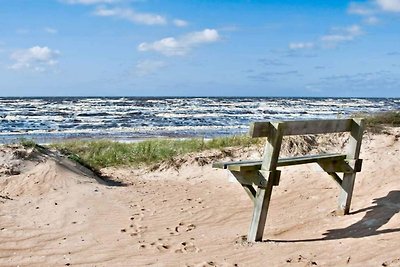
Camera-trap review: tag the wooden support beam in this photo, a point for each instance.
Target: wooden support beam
(246, 183)
(335, 166)
(226, 165)
(249, 178)
(251, 192)
(353, 153)
(336, 178)
(345, 166)
(274, 175)
(346, 193)
(263, 196)
(261, 204)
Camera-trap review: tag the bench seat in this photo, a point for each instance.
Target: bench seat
(255, 165)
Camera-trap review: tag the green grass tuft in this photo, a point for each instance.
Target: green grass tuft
(27, 143)
(103, 153)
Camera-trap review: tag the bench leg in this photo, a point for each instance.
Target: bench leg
(261, 204)
(346, 193)
(251, 192)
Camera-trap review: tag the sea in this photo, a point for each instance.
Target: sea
(51, 119)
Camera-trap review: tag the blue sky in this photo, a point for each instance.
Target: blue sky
(199, 48)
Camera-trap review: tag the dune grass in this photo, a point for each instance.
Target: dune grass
(389, 118)
(376, 122)
(27, 143)
(105, 153)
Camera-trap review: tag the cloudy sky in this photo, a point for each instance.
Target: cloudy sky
(199, 48)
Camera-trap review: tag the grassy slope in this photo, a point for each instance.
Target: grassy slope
(104, 153)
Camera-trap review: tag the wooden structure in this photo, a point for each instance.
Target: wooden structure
(258, 177)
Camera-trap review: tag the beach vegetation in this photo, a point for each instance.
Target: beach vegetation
(376, 122)
(105, 153)
(27, 143)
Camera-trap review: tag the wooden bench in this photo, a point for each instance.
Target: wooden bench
(259, 176)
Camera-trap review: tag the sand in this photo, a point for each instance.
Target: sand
(56, 213)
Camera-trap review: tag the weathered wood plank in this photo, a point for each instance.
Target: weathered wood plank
(274, 175)
(225, 165)
(343, 165)
(251, 165)
(356, 134)
(310, 159)
(346, 193)
(250, 178)
(261, 204)
(263, 129)
(335, 166)
(260, 129)
(317, 127)
(353, 153)
(272, 147)
(263, 196)
(251, 192)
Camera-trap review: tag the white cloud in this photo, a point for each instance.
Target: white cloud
(89, 2)
(360, 9)
(180, 23)
(336, 38)
(36, 58)
(171, 46)
(50, 30)
(301, 45)
(353, 30)
(131, 15)
(389, 5)
(367, 10)
(371, 20)
(147, 67)
(340, 35)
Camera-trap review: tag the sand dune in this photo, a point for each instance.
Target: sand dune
(56, 213)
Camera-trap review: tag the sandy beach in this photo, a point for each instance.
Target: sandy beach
(56, 213)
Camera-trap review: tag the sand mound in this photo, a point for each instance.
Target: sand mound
(36, 171)
(54, 213)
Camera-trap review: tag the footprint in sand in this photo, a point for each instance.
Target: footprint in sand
(159, 245)
(212, 263)
(182, 227)
(162, 246)
(187, 247)
(395, 262)
(302, 259)
(136, 228)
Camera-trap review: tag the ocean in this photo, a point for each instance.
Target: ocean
(49, 119)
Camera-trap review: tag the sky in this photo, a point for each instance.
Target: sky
(314, 48)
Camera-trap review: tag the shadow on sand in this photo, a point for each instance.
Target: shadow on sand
(377, 215)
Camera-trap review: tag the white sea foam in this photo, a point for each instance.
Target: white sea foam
(141, 117)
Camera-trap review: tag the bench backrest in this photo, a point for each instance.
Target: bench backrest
(274, 131)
